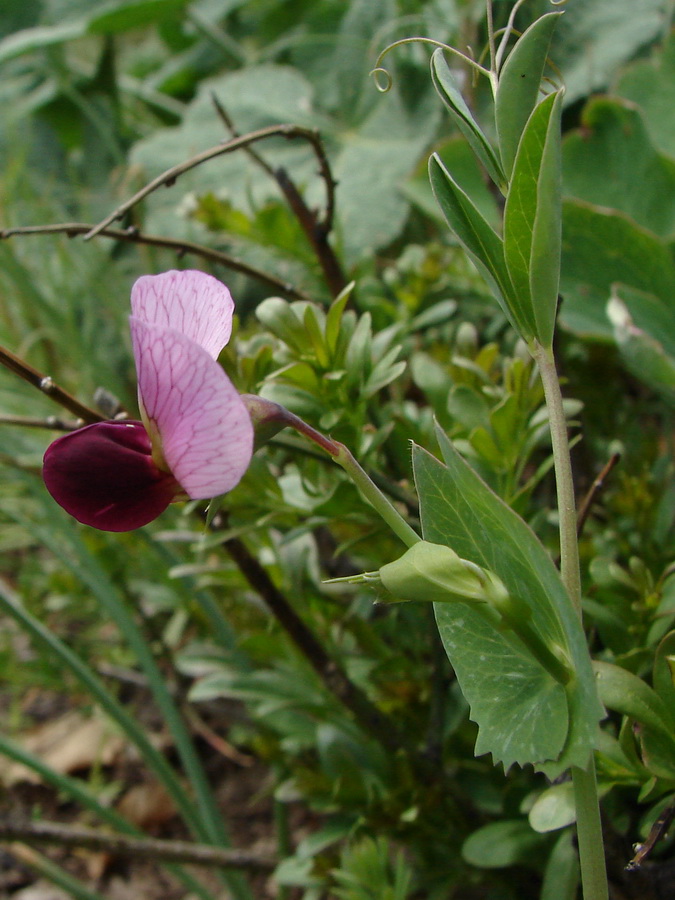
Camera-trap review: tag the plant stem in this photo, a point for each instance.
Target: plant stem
(264, 410)
(567, 514)
(375, 496)
(589, 829)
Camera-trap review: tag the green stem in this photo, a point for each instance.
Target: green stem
(281, 417)
(589, 829)
(589, 833)
(567, 512)
(375, 497)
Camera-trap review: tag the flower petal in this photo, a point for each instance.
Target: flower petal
(194, 303)
(104, 476)
(205, 430)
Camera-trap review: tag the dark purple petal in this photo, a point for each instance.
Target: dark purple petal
(104, 476)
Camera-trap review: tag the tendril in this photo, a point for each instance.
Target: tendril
(380, 70)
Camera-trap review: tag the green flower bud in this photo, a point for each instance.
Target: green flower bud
(435, 573)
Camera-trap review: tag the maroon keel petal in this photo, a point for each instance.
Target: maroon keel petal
(104, 476)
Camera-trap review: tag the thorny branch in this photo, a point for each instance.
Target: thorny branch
(135, 236)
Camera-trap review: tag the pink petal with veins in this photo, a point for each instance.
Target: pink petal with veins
(193, 303)
(205, 430)
(104, 476)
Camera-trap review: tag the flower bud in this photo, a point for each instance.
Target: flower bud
(435, 573)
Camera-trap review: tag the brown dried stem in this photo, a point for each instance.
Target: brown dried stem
(169, 177)
(336, 680)
(48, 387)
(594, 490)
(316, 230)
(135, 236)
(52, 423)
(33, 832)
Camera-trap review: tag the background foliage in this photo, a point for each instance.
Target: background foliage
(98, 101)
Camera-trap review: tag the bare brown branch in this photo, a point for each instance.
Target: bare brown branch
(316, 230)
(17, 828)
(169, 177)
(48, 387)
(135, 236)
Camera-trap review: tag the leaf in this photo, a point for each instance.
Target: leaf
(643, 354)
(123, 15)
(522, 714)
(518, 87)
(502, 844)
(29, 39)
(663, 672)
(554, 808)
(372, 152)
(532, 223)
(561, 877)
(596, 37)
(610, 161)
(650, 83)
(629, 695)
(601, 248)
(448, 89)
(479, 239)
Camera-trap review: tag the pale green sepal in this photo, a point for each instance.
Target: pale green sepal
(448, 89)
(532, 223)
(518, 87)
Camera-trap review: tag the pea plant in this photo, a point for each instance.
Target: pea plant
(507, 615)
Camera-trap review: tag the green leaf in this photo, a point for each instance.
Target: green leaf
(522, 713)
(532, 223)
(29, 39)
(283, 320)
(643, 354)
(602, 248)
(448, 89)
(502, 844)
(610, 161)
(554, 808)
(596, 37)
(650, 83)
(478, 238)
(561, 877)
(334, 317)
(629, 695)
(662, 678)
(123, 15)
(518, 87)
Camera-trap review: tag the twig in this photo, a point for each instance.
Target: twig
(170, 176)
(29, 832)
(316, 234)
(657, 831)
(315, 229)
(53, 423)
(594, 490)
(135, 236)
(48, 387)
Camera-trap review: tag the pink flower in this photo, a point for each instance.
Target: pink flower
(196, 437)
